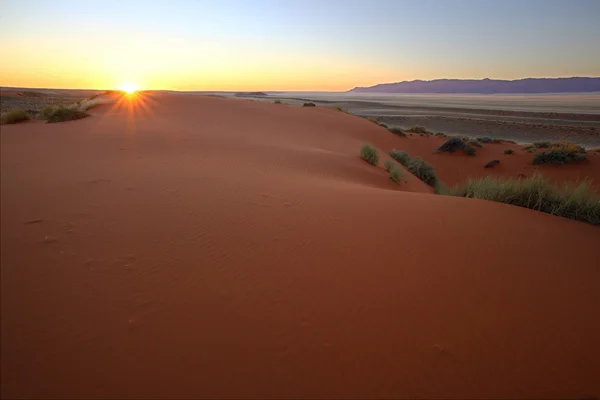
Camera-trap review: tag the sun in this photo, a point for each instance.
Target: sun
(129, 88)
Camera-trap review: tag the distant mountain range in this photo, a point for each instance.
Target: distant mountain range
(487, 86)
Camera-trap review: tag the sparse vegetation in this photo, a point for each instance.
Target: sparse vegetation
(388, 164)
(277, 102)
(470, 151)
(64, 113)
(373, 119)
(485, 139)
(397, 131)
(580, 203)
(369, 154)
(14, 116)
(561, 153)
(423, 170)
(475, 143)
(542, 145)
(401, 156)
(441, 134)
(558, 157)
(395, 173)
(456, 143)
(384, 125)
(508, 151)
(418, 129)
(309, 105)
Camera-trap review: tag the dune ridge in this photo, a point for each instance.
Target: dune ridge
(200, 247)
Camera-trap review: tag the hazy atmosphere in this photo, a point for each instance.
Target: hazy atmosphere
(320, 45)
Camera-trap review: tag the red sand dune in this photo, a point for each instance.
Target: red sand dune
(205, 247)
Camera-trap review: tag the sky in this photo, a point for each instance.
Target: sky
(291, 45)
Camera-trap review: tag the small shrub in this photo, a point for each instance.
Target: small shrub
(580, 203)
(395, 173)
(542, 145)
(309, 105)
(423, 170)
(65, 113)
(485, 139)
(401, 156)
(455, 143)
(373, 119)
(384, 125)
(277, 102)
(388, 164)
(369, 154)
(508, 151)
(497, 140)
(418, 129)
(528, 147)
(397, 131)
(441, 134)
(14, 116)
(558, 157)
(47, 111)
(470, 151)
(475, 143)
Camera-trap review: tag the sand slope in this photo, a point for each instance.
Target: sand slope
(204, 247)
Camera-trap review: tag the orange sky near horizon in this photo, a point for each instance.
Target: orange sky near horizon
(273, 45)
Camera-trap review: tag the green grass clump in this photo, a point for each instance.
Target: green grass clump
(580, 203)
(369, 154)
(309, 105)
(14, 116)
(558, 157)
(388, 165)
(401, 156)
(418, 129)
(384, 125)
(395, 173)
(423, 170)
(542, 145)
(470, 151)
(397, 131)
(65, 113)
(508, 151)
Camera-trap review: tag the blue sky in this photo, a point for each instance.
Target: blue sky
(293, 45)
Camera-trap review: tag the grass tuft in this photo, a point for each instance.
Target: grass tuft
(423, 170)
(388, 164)
(64, 113)
(508, 151)
(401, 156)
(277, 102)
(542, 145)
(309, 105)
(418, 129)
(14, 116)
(397, 131)
(369, 154)
(580, 203)
(395, 173)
